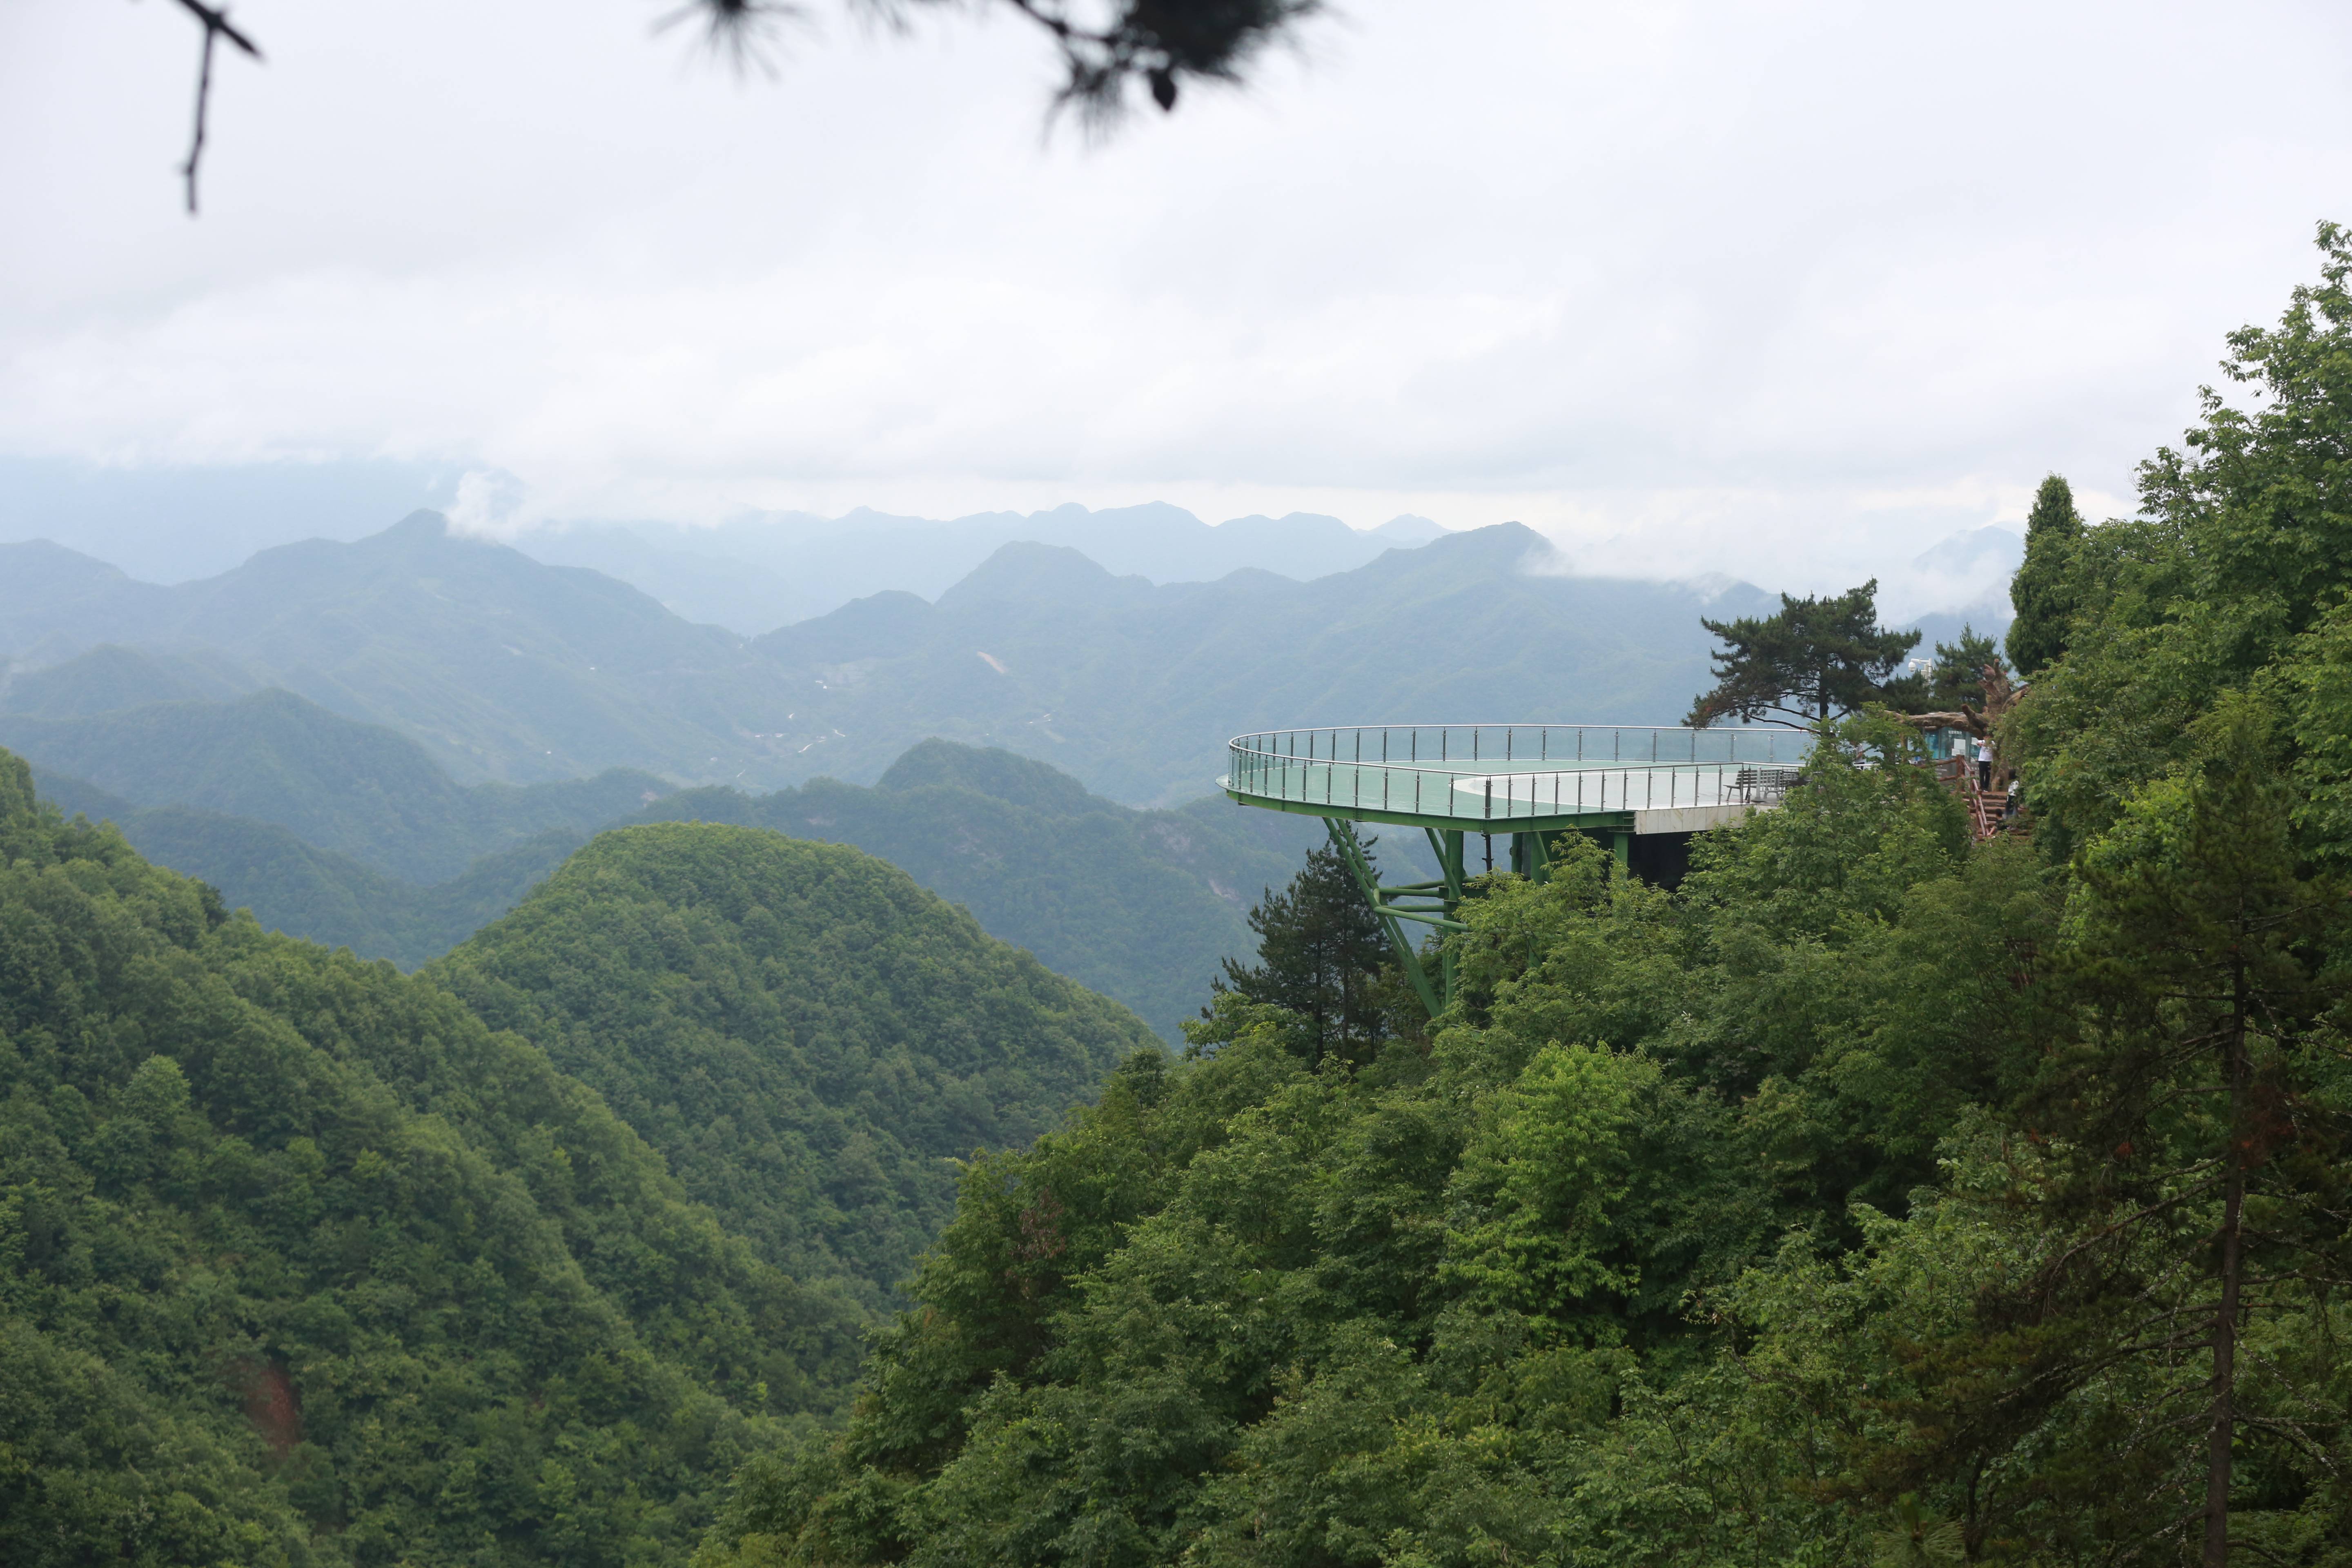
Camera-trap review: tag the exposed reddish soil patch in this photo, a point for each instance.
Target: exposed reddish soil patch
(270, 1404)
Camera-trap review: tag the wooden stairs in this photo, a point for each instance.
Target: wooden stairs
(1985, 808)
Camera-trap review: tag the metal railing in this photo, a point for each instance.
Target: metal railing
(1496, 772)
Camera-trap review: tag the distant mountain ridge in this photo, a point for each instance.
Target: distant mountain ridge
(502, 666)
(1133, 688)
(1139, 905)
(504, 669)
(754, 574)
(294, 887)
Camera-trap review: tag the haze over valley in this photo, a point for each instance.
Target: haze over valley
(385, 743)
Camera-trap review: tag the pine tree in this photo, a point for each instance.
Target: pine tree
(1820, 656)
(1958, 680)
(1321, 954)
(2043, 592)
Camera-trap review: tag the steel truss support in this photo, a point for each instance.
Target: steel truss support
(1432, 904)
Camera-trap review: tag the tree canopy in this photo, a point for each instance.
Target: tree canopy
(808, 1037)
(2040, 592)
(1820, 656)
(1323, 958)
(1957, 678)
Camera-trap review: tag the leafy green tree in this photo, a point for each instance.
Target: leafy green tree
(2240, 552)
(2042, 592)
(2205, 1079)
(1819, 658)
(1322, 956)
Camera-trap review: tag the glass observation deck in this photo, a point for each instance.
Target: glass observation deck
(1515, 778)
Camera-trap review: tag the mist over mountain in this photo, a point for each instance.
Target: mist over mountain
(506, 668)
(754, 574)
(499, 666)
(1133, 688)
(1965, 577)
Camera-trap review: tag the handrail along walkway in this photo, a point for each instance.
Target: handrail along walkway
(1529, 781)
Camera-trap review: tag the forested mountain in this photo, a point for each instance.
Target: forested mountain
(1879, 1196)
(1133, 689)
(300, 1263)
(300, 1260)
(756, 573)
(356, 790)
(1141, 906)
(297, 887)
(809, 1039)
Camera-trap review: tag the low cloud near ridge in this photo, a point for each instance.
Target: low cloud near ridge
(1789, 291)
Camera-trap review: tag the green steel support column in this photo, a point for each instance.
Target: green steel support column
(1452, 858)
(1623, 849)
(1351, 850)
(1531, 856)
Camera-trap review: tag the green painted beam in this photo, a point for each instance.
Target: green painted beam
(1351, 852)
(1438, 821)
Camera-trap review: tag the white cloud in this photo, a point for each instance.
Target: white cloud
(1785, 289)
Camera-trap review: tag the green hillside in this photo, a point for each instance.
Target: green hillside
(357, 790)
(111, 677)
(810, 1038)
(1139, 905)
(1134, 688)
(301, 1263)
(303, 890)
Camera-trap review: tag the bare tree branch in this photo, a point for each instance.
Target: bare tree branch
(216, 27)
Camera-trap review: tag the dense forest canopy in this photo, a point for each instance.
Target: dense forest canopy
(299, 1261)
(808, 1037)
(1880, 1195)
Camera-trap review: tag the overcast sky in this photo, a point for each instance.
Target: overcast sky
(1789, 290)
